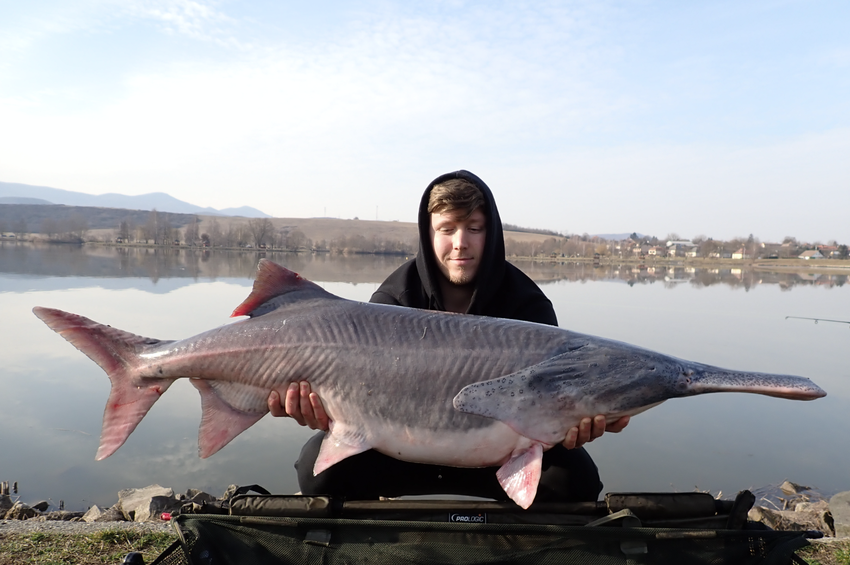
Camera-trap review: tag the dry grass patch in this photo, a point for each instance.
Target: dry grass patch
(107, 546)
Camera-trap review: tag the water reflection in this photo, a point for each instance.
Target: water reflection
(52, 397)
(673, 276)
(195, 264)
(202, 264)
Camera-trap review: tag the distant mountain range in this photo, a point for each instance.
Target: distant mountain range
(16, 193)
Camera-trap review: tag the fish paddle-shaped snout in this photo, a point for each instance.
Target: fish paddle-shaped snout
(696, 378)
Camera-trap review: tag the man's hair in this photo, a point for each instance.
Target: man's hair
(455, 195)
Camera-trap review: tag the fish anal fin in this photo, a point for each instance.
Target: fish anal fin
(339, 443)
(221, 421)
(520, 476)
(273, 281)
(125, 408)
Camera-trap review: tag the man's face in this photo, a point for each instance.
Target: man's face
(459, 244)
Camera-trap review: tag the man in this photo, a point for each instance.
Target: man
(460, 267)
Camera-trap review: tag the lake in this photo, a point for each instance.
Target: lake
(52, 396)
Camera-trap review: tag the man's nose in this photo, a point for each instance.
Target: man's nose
(460, 239)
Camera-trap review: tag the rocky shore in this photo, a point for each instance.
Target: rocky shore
(789, 507)
(147, 508)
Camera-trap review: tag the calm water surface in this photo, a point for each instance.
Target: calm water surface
(52, 396)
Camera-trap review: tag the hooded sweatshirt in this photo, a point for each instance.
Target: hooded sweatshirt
(501, 289)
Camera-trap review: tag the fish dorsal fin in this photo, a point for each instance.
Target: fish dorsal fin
(274, 287)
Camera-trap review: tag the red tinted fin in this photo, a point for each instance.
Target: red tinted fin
(272, 281)
(340, 443)
(117, 353)
(521, 474)
(220, 422)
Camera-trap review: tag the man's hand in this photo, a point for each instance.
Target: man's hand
(301, 404)
(588, 430)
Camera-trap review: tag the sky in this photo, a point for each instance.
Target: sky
(721, 118)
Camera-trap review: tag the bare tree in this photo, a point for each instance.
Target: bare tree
(164, 231)
(78, 227)
(297, 239)
(126, 229)
(50, 228)
(151, 228)
(261, 230)
(19, 226)
(214, 233)
(190, 234)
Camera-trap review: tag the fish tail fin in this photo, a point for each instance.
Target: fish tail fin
(117, 353)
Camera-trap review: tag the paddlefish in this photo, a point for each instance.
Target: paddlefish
(418, 385)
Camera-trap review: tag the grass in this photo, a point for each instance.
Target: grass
(832, 553)
(104, 547)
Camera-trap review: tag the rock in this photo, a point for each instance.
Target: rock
(41, 506)
(112, 514)
(228, 494)
(21, 511)
(93, 513)
(59, 515)
(154, 507)
(5, 504)
(131, 500)
(198, 496)
(790, 488)
(814, 516)
(839, 506)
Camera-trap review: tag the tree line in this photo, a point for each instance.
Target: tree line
(160, 228)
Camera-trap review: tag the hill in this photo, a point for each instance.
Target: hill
(34, 216)
(88, 223)
(152, 201)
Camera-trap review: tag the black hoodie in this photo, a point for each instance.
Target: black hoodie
(501, 289)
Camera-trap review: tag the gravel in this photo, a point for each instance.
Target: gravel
(74, 528)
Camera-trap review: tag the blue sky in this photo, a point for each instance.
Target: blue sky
(695, 118)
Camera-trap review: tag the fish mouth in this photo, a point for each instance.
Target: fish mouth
(779, 386)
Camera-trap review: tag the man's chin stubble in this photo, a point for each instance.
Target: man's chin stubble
(461, 279)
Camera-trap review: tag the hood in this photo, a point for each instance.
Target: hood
(492, 268)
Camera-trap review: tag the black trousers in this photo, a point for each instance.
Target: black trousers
(569, 475)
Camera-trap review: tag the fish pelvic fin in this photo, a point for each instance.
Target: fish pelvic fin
(221, 421)
(521, 474)
(117, 353)
(274, 287)
(339, 443)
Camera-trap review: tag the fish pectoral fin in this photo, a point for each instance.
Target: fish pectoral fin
(521, 474)
(220, 420)
(339, 443)
(538, 402)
